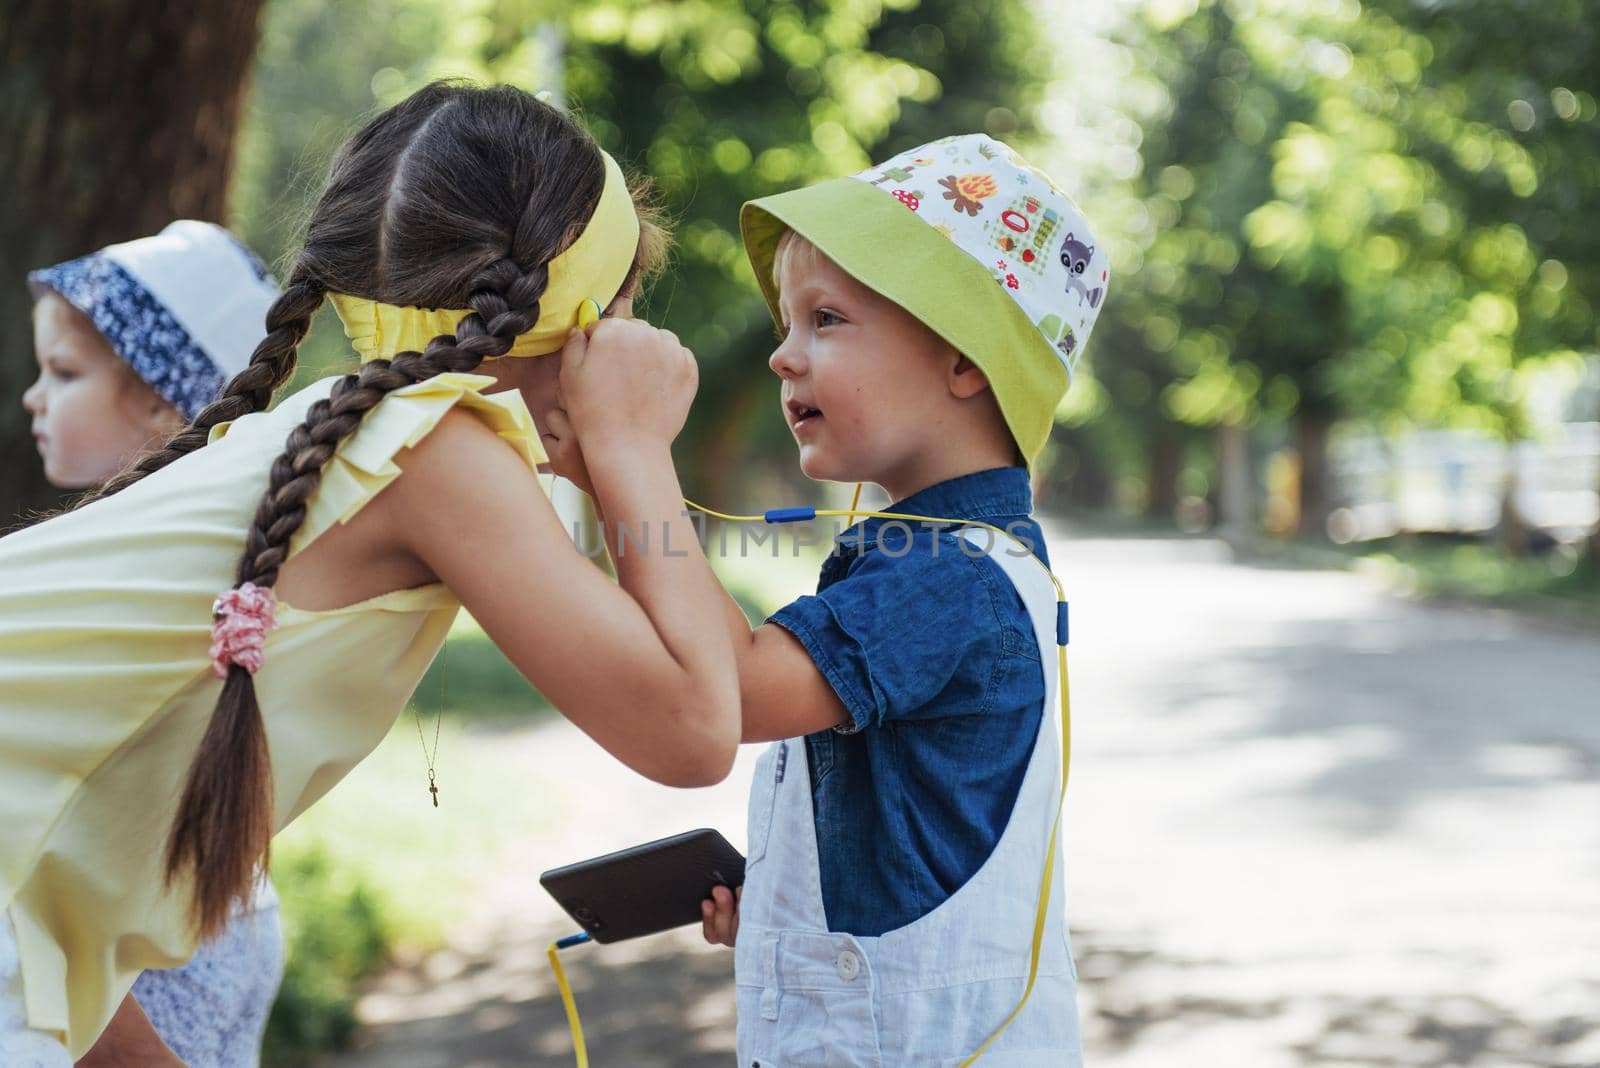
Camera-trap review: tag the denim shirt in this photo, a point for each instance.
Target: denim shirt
(930, 648)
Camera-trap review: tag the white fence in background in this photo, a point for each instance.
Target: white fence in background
(1454, 481)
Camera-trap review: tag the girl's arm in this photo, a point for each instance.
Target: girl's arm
(781, 692)
(650, 676)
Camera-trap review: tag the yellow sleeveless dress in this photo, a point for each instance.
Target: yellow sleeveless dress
(106, 686)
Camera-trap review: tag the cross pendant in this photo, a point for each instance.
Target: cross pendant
(434, 790)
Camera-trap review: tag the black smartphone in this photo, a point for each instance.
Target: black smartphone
(646, 888)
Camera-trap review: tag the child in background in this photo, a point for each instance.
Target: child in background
(931, 310)
(132, 341)
(263, 593)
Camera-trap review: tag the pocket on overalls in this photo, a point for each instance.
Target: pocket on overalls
(769, 772)
(824, 1029)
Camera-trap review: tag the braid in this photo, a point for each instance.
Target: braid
(490, 330)
(225, 841)
(273, 361)
(455, 197)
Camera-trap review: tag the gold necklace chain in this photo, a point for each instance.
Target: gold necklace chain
(432, 758)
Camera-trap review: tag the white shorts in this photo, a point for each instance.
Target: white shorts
(213, 1010)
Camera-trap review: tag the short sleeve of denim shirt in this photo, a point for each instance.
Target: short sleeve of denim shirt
(919, 635)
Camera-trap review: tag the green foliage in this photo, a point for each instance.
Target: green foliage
(1394, 194)
(472, 679)
(1370, 211)
(336, 935)
(717, 101)
(321, 70)
(1556, 582)
(1326, 210)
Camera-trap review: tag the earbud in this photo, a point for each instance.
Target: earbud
(588, 312)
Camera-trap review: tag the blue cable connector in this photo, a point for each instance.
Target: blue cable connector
(789, 515)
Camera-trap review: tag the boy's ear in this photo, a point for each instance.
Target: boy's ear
(965, 379)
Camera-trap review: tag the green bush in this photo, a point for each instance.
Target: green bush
(336, 935)
(479, 683)
(1557, 583)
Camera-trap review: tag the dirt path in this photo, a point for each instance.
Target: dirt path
(1309, 823)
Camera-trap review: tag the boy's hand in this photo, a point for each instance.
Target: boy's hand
(627, 379)
(719, 916)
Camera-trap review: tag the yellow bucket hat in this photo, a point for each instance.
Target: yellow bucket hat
(973, 241)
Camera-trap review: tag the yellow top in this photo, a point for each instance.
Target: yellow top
(106, 687)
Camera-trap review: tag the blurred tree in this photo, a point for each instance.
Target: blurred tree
(717, 101)
(116, 117)
(320, 73)
(1218, 339)
(1444, 195)
(1347, 210)
(1335, 210)
(1522, 77)
(722, 102)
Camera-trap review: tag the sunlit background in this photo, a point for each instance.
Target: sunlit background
(1327, 486)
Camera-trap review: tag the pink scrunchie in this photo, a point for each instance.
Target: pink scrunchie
(242, 617)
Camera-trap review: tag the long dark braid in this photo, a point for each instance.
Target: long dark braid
(454, 198)
(505, 303)
(218, 829)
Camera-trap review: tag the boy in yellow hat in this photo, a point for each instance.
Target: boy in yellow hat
(931, 311)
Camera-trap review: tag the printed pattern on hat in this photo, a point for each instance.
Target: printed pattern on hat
(140, 328)
(1013, 220)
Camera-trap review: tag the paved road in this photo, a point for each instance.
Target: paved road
(1309, 823)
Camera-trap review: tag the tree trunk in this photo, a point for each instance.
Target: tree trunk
(116, 117)
(1166, 461)
(1235, 493)
(1088, 489)
(1311, 431)
(1513, 528)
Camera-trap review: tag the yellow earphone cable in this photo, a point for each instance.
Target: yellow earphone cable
(573, 1023)
(1042, 909)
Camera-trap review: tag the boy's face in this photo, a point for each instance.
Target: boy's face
(865, 384)
(91, 412)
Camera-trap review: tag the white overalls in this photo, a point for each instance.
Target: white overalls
(928, 993)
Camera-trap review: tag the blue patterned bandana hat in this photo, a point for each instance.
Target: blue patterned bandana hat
(185, 308)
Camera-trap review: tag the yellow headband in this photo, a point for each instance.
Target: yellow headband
(593, 267)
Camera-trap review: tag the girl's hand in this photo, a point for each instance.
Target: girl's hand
(719, 916)
(626, 380)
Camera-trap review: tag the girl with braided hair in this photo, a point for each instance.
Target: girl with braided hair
(132, 341)
(227, 627)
